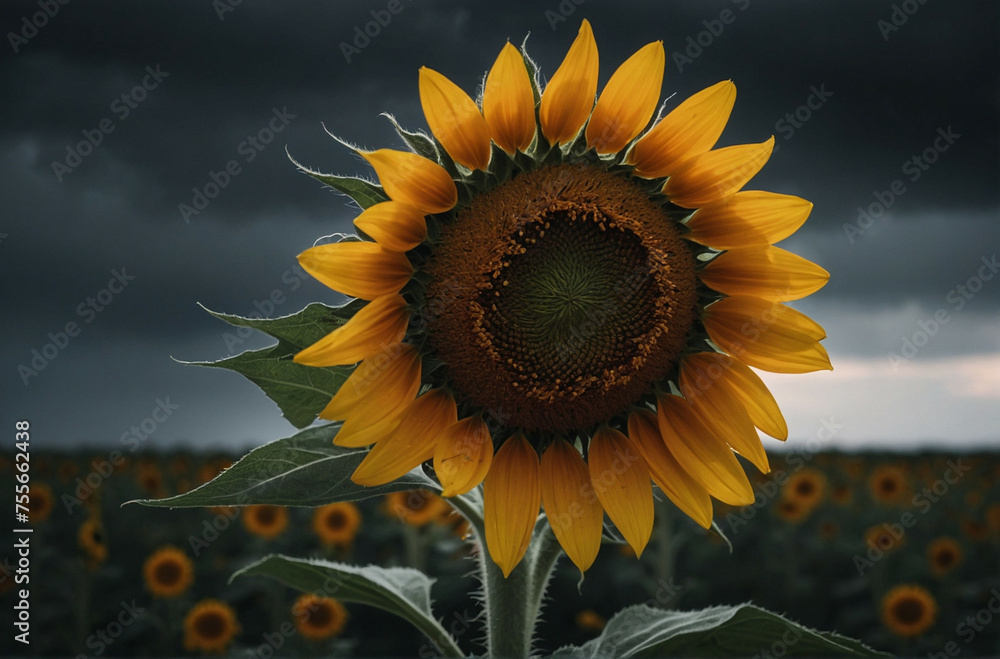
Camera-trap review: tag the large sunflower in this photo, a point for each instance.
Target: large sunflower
(563, 304)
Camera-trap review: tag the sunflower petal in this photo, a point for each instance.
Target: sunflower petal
(394, 225)
(569, 97)
(379, 323)
(764, 271)
(727, 420)
(463, 456)
(575, 515)
(508, 102)
(708, 459)
(621, 480)
(687, 494)
(751, 217)
(357, 269)
(627, 101)
(692, 128)
(716, 174)
(511, 499)
(414, 440)
(413, 179)
(455, 120)
(767, 335)
(705, 368)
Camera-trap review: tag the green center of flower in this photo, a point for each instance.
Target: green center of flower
(559, 297)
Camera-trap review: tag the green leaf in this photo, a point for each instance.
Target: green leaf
(421, 143)
(404, 592)
(301, 392)
(364, 193)
(743, 630)
(303, 470)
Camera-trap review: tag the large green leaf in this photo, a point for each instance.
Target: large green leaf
(303, 470)
(744, 630)
(301, 392)
(404, 592)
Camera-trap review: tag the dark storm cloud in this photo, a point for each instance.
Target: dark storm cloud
(850, 104)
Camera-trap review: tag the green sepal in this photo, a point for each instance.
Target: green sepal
(421, 143)
(364, 193)
(305, 469)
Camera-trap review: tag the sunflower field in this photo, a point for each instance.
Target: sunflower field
(897, 551)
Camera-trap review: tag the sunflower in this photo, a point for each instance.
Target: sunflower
(337, 523)
(807, 486)
(563, 305)
(908, 610)
(590, 621)
(318, 617)
(791, 510)
(417, 507)
(882, 538)
(888, 484)
(944, 555)
(93, 540)
(265, 521)
(40, 502)
(209, 627)
(992, 516)
(168, 572)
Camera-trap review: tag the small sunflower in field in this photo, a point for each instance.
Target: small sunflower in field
(265, 521)
(889, 485)
(590, 621)
(416, 508)
(168, 572)
(944, 555)
(883, 538)
(908, 610)
(40, 502)
(337, 523)
(209, 627)
(552, 283)
(318, 618)
(807, 486)
(791, 510)
(93, 540)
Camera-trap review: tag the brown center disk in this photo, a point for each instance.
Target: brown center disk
(557, 299)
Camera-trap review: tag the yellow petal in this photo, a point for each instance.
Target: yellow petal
(569, 97)
(727, 420)
(394, 225)
(627, 101)
(357, 269)
(716, 174)
(508, 102)
(455, 120)
(687, 494)
(413, 179)
(379, 323)
(414, 440)
(751, 217)
(374, 395)
(708, 459)
(575, 514)
(511, 498)
(705, 369)
(463, 456)
(767, 335)
(692, 128)
(621, 480)
(764, 271)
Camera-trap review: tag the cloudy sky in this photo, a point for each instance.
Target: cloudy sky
(885, 116)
